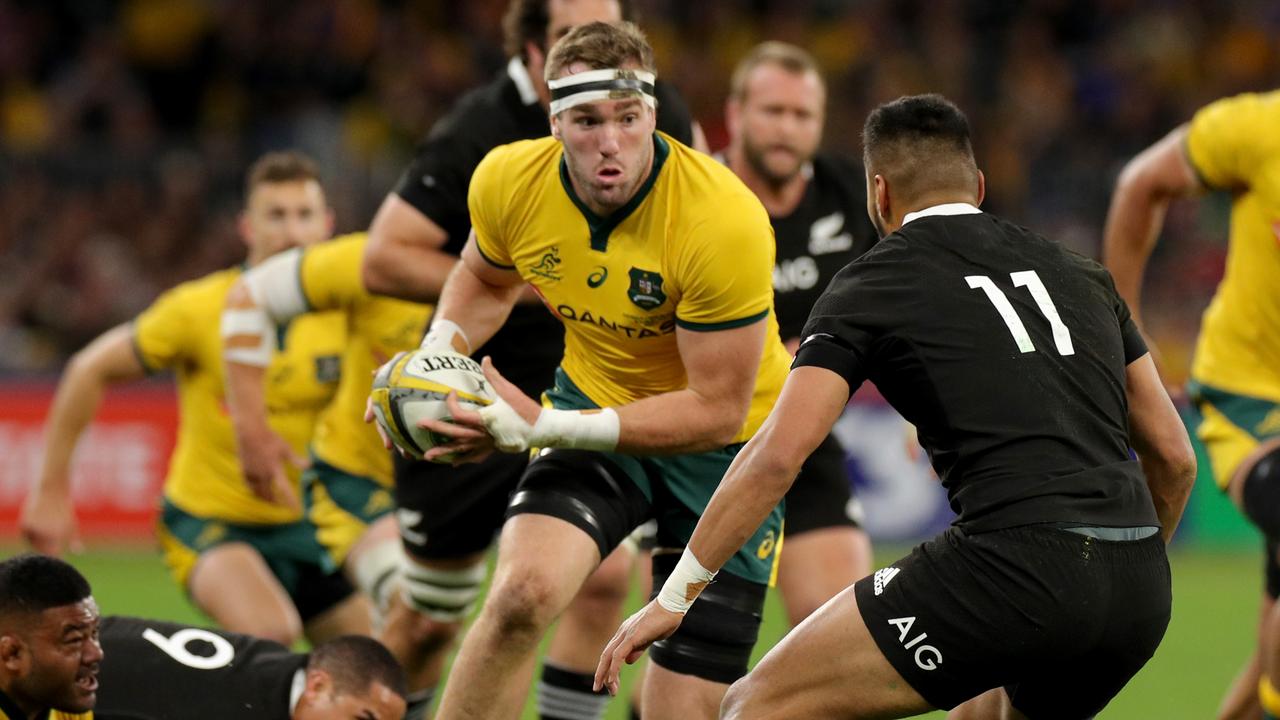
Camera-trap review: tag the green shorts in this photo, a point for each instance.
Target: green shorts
(291, 551)
(341, 506)
(1231, 426)
(677, 489)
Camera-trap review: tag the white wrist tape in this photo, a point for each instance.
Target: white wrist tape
(446, 335)
(276, 285)
(684, 584)
(575, 429)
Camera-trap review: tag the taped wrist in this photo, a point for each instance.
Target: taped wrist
(683, 585)
(572, 429)
(446, 335)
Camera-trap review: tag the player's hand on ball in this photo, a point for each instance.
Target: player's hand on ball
(638, 632)
(468, 441)
(506, 424)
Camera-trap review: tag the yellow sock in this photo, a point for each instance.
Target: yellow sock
(1269, 697)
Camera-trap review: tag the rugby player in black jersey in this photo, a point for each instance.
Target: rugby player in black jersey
(817, 205)
(156, 670)
(449, 516)
(1029, 383)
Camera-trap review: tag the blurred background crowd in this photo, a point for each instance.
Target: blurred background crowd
(126, 125)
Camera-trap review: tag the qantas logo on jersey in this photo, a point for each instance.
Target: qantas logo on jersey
(882, 578)
(825, 236)
(569, 313)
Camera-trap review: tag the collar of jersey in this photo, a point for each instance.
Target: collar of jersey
(601, 227)
(10, 708)
(519, 75)
(959, 208)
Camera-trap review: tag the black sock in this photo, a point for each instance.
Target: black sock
(566, 695)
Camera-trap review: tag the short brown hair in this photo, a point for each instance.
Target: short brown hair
(791, 58)
(600, 45)
(279, 167)
(528, 21)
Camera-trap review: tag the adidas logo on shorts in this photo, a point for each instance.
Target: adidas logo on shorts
(883, 576)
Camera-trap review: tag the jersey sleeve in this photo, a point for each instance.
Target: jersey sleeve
(164, 332)
(330, 273)
(856, 311)
(725, 271)
(1230, 139)
(485, 200)
(435, 182)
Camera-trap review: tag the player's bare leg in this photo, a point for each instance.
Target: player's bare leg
(542, 561)
(579, 637)
(817, 565)
(420, 642)
(1241, 700)
(844, 674)
(352, 616)
(667, 695)
(1265, 663)
(991, 705)
(258, 606)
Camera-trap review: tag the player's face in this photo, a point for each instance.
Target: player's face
(321, 703)
(283, 215)
(608, 147)
(779, 121)
(62, 669)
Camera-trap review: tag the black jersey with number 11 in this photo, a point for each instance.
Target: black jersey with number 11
(1008, 353)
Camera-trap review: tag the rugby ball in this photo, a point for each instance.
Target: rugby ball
(413, 386)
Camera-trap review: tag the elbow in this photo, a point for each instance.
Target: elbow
(374, 270)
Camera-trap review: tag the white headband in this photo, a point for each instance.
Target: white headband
(595, 85)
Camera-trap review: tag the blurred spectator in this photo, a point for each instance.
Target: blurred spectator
(125, 126)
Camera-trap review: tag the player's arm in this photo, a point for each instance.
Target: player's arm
(475, 302)
(265, 297)
(405, 257)
(811, 402)
(48, 522)
(1160, 440)
(1141, 198)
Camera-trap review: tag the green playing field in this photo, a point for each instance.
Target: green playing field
(1215, 605)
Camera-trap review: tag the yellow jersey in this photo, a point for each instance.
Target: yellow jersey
(180, 331)
(377, 328)
(693, 249)
(1234, 146)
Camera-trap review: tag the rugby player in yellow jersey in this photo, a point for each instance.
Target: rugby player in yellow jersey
(659, 262)
(49, 650)
(252, 564)
(1229, 145)
(348, 487)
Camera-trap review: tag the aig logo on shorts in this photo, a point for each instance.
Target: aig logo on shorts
(927, 657)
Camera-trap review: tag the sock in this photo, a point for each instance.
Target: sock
(566, 695)
(419, 701)
(1269, 698)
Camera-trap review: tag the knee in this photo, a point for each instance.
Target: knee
(284, 632)
(425, 633)
(522, 605)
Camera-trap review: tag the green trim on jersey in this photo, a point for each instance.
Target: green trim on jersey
(493, 262)
(726, 325)
(602, 227)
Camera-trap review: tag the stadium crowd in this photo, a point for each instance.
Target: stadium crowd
(125, 127)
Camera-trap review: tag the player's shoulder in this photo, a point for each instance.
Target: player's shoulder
(1250, 105)
(482, 115)
(706, 186)
(203, 295)
(516, 165)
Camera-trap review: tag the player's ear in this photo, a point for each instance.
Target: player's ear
(982, 187)
(319, 684)
(555, 127)
(13, 654)
(733, 116)
(882, 198)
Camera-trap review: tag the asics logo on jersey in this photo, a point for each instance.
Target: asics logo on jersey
(597, 278)
(766, 546)
(882, 578)
(927, 657)
(825, 236)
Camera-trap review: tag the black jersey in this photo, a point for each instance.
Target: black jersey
(826, 231)
(1008, 353)
(154, 670)
(529, 346)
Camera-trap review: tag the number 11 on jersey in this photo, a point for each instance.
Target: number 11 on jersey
(1031, 281)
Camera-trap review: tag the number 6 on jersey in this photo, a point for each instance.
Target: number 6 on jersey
(1031, 281)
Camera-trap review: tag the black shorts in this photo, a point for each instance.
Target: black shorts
(821, 496)
(1060, 620)
(447, 512)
